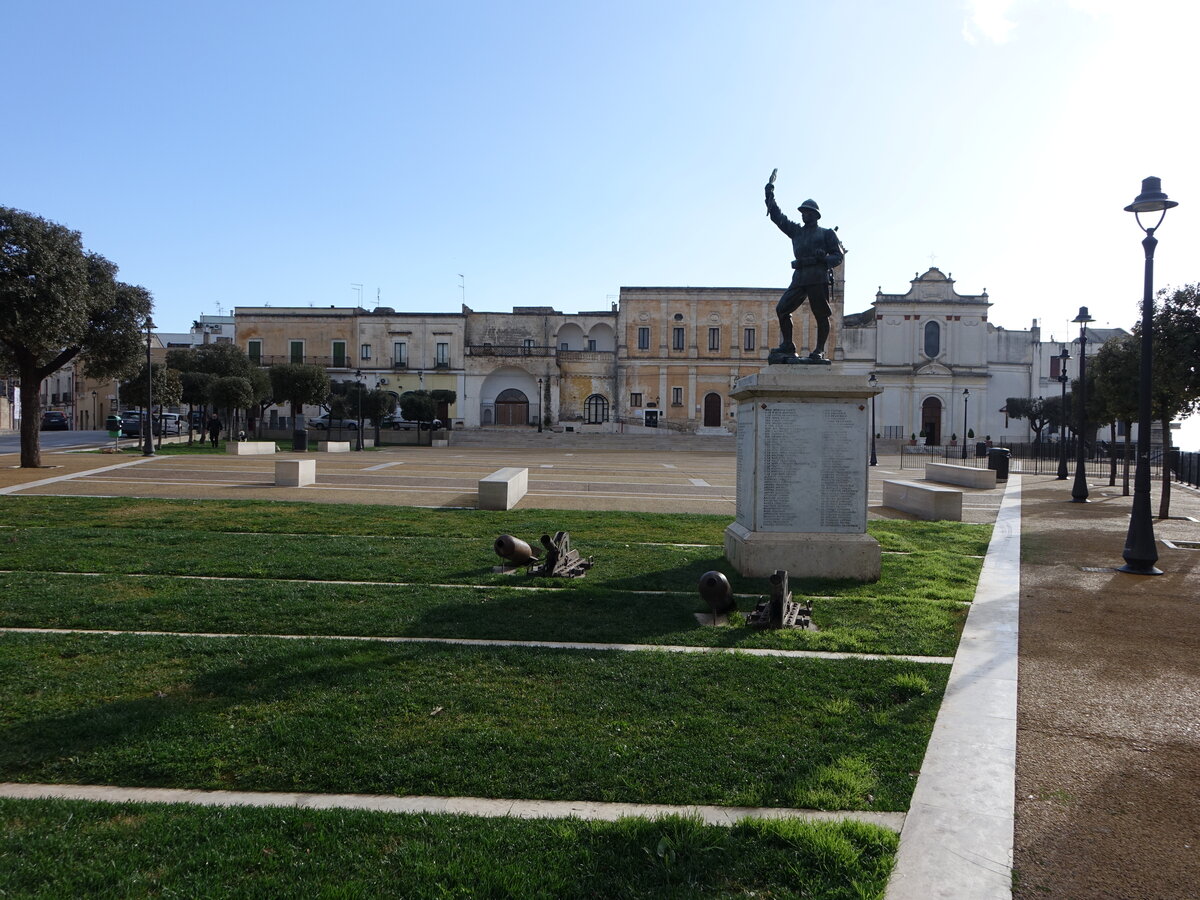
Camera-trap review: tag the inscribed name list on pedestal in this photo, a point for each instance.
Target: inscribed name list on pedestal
(809, 456)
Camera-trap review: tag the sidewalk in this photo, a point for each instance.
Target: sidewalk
(1108, 715)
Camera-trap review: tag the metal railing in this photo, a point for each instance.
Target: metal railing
(1034, 459)
(507, 350)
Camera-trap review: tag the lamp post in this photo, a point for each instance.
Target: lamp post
(874, 383)
(358, 380)
(1140, 553)
(148, 448)
(1063, 378)
(95, 414)
(1079, 491)
(966, 397)
(539, 406)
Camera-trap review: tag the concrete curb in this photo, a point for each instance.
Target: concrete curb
(957, 841)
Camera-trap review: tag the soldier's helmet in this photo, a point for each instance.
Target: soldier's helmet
(810, 204)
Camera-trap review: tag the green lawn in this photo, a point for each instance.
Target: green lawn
(929, 570)
(336, 716)
(75, 849)
(320, 715)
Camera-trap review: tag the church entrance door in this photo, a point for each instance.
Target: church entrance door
(931, 421)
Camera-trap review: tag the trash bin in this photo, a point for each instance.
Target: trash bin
(981, 449)
(998, 459)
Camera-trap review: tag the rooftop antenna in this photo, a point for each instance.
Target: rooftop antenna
(378, 293)
(354, 286)
(463, 285)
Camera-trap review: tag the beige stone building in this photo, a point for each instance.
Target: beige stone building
(681, 350)
(397, 352)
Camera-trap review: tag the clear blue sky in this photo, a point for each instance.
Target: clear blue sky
(281, 152)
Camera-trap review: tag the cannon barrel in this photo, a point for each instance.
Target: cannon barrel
(715, 591)
(513, 549)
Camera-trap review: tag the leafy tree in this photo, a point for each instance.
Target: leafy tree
(165, 384)
(260, 384)
(232, 392)
(1031, 408)
(1115, 368)
(59, 302)
(298, 384)
(222, 360)
(418, 406)
(1175, 392)
(376, 405)
(197, 391)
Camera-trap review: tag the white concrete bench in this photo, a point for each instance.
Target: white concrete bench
(967, 476)
(295, 472)
(333, 446)
(925, 501)
(250, 448)
(503, 488)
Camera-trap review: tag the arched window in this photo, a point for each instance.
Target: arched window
(933, 339)
(597, 409)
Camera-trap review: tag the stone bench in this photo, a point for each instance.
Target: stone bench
(295, 472)
(333, 446)
(503, 488)
(925, 501)
(250, 448)
(968, 476)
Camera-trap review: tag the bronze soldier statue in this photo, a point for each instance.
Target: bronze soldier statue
(817, 252)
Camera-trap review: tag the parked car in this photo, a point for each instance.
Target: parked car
(325, 422)
(398, 424)
(131, 424)
(168, 423)
(53, 420)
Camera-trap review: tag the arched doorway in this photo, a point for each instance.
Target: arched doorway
(512, 408)
(712, 410)
(597, 409)
(931, 421)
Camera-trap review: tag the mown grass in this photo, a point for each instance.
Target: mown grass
(891, 624)
(336, 716)
(930, 569)
(326, 519)
(74, 849)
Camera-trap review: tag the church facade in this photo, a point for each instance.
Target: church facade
(946, 371)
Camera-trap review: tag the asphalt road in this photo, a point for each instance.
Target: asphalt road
(10, 442)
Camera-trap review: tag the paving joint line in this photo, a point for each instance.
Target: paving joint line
(590, 646)
(476, 806)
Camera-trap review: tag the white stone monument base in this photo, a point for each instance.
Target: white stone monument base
(802, 555)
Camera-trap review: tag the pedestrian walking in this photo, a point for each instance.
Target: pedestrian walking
(214, 430)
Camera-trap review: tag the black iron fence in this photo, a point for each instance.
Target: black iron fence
(1043, 459)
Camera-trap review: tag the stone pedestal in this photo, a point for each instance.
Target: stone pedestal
(802, 449)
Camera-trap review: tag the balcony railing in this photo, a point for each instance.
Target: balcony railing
(507, 350)
(586, 355)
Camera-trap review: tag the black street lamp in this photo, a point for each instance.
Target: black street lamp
(148, 449)
(1140, 552)
(1063, 378)
(95, 413)
(873, 382)
(358, 379)
(1079, 491)
(540, 406)
(966, 397)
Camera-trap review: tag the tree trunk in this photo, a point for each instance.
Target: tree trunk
(1128, 458)
(31, 421)
(1164, 501)
(1112, 453)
